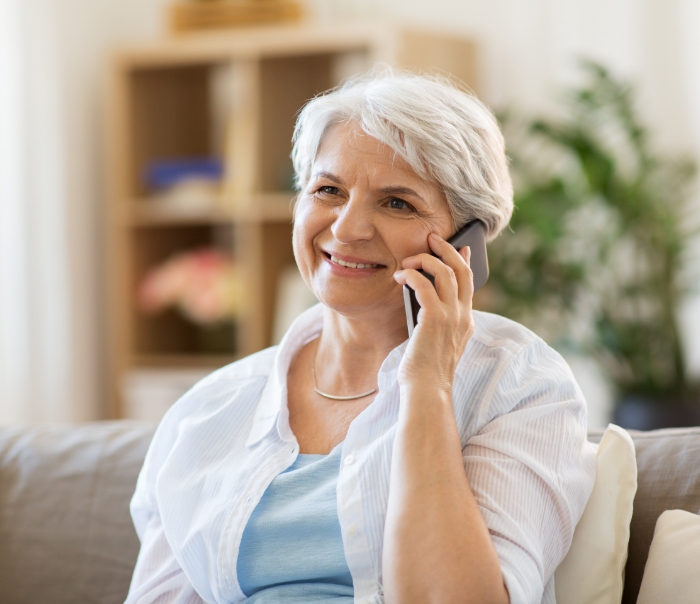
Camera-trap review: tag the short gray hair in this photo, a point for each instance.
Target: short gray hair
(444, 133)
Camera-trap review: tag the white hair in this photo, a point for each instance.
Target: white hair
(445, 134)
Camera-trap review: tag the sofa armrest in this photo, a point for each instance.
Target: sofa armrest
(65, 531)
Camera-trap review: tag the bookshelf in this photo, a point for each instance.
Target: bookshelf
(231, 95)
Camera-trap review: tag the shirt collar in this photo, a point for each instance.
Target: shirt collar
(306, 327)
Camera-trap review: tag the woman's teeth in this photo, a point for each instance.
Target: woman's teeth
(352, 264)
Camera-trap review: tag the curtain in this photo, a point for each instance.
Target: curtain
(35, 318)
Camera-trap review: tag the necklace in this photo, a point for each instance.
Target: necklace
(332, 396)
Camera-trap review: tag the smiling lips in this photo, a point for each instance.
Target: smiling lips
(351, 264)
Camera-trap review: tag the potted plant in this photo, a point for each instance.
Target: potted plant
(595, 259)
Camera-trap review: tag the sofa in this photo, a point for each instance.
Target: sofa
(66, 535)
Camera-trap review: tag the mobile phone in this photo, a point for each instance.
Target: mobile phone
(472, 234)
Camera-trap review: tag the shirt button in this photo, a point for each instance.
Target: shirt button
(391, 362)
(351, 531)
(349, 460)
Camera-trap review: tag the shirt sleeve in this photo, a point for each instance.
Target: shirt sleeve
(531, 469)
(158, 578)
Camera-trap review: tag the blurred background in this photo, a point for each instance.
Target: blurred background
(145, 186)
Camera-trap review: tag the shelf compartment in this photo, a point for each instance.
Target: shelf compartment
(173, 116)
(286, 84)
(169, 332)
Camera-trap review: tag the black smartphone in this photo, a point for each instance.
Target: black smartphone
(472, 234)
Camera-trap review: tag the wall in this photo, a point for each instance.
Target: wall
(87, 31)
(528, 47)
(53, 58)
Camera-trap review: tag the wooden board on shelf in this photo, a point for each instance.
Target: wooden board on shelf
(145, 213)
(182, 360)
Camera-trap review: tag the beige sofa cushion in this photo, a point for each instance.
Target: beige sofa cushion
(593, 570)
(672, 570)
(66, 535)
(668, 478)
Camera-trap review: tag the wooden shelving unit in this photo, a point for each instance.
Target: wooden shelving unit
(165, 101)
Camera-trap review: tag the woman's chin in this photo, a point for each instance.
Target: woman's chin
(368, 302)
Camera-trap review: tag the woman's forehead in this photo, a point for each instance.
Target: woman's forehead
(346, 147)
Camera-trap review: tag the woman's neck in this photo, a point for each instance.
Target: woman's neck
(351, 349)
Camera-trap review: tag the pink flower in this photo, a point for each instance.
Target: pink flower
(201, 283)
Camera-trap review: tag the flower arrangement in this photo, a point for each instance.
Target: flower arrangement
(202, 284)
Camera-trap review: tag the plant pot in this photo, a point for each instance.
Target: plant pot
(218, 338)
(647, 412)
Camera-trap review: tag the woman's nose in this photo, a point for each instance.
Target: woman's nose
(353, 222)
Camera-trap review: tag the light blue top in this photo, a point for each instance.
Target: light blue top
(292, 547)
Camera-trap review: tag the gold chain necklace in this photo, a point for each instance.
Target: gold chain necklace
(332, 396)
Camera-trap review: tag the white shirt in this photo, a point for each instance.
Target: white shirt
(522, 423)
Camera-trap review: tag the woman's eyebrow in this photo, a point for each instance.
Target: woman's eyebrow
(329, 176)
(400, 191)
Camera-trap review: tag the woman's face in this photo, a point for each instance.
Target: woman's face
(363, 211)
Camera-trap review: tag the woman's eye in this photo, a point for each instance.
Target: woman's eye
(328, 190)
(399, 204)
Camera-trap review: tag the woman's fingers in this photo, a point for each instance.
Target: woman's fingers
(446, 282)
(458, 261)
(425, 291)
(453, 276)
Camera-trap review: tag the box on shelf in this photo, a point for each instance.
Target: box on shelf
(190, 16)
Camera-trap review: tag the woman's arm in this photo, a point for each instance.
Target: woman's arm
(437, 547)
(158, 577)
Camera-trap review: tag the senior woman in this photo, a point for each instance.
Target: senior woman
(350, 463)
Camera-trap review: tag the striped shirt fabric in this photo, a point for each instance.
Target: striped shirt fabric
(522, 424)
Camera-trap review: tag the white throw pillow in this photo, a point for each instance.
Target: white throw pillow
(593, 571)
(672, 571)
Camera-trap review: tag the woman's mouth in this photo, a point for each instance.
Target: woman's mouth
(351, 264)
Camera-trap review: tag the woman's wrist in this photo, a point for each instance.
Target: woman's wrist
(425, 406)
(427, 391)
